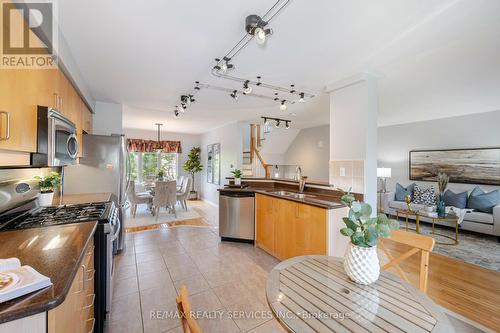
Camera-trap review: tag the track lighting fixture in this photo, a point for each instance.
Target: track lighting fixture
(277, 123)
(283, 105)
(246, 88)
(266, 122)
(258, 81)
(301, 100)
(293, 88)
(256, 26)
(176, 113)
(223, 65)
(185, 100)
(233, 94)
(287, 125)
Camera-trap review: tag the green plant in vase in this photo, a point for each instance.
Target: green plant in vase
(46, 185)
(161, 174)
(237, 176)
(363, 230)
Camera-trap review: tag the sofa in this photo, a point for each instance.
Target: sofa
(484, 223)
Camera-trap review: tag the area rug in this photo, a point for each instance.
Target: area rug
(473, 248)
(144, 218)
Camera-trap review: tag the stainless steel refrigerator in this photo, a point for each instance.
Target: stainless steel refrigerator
(102, 168)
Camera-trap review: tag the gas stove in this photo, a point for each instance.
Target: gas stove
(57, 215)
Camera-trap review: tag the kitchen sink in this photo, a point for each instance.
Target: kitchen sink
(292, 194)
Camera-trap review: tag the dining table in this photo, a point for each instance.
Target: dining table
(314, 294)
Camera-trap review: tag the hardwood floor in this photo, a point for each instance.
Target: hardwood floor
(469, 290)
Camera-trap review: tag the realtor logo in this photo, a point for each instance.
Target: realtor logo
(28, 34)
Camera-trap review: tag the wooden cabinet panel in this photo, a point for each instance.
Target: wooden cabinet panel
(76, 313)
(287, 229)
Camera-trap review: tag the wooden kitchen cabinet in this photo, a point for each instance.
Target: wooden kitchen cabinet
(76, 313)
(286, 229)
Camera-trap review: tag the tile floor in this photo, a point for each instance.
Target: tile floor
(224, 278)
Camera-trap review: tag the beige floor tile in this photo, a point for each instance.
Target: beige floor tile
(160, 318)
(125, 287)
(125, 272)
(231, 293)
(178, 272)
(194, 284)
(151, 266)
(159, 295)
(205, 301)
(148, 256)
(249, 313)
(125, 326)
(154, 279)
(178, 260)
(125, 260)
(271, 326)
(221, 325)
(176, 330)
(126, 307)
(172, 252)
(218, 277)
(146, 247)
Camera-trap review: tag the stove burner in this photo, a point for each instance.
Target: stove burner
(47, 216)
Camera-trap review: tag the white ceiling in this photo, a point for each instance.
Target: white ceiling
(436, 58)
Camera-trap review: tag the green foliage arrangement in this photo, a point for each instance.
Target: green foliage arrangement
(193, 164)
(46, 184)
(236, 173)
(363, 229)
(161, 173)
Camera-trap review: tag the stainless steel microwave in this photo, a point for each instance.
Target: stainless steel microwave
(57, 143)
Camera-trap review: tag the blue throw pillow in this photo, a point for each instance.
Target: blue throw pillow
(458, 200)
(477, 190)
(484, 202)
(402, 192)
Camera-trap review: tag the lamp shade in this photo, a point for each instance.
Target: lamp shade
(384, 172)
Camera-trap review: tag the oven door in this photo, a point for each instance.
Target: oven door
(63, 143)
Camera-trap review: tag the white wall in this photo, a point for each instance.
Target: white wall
(107, 119)
(471, 131)
(230, 137)
(311, 150)
(188, 141)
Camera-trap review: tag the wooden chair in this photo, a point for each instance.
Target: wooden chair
(189, 324)
(419, 243)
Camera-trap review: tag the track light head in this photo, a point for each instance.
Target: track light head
(302, 100)
(258, 81)
(287, 125)
(283, 105)
(176, 113)
(255, 26)
(180, 108)
(277, 124)
(266, 122)
(292, 86)
(246, 88)
(234, 94)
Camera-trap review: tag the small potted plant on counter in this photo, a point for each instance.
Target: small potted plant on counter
(237, 176)
(46, 185)
(361, 261)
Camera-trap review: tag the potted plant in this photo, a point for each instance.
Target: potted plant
(46, 185)
(237, 176)
(442, 179)
(161, 174)
(361, 261)
(192, 166)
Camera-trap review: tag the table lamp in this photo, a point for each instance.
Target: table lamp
(384, 173)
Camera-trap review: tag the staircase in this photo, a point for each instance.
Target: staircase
(247, 168)
(252, 159)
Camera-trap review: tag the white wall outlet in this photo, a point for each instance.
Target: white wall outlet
(342, 172)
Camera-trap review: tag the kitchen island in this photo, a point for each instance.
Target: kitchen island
(60, 252)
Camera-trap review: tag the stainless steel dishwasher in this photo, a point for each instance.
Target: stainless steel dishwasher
(237, 216)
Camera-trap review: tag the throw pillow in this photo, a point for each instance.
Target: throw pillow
(458, 200)
(477, 190)
(424, 196)
(402, 192)
(484, 202)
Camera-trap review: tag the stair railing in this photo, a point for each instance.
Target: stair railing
(255, 142)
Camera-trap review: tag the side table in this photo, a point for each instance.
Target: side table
(407, 213)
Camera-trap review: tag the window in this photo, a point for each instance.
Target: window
(145, 166)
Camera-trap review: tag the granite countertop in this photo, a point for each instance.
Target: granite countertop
(318, 199)
(56, 252)
(81, 198)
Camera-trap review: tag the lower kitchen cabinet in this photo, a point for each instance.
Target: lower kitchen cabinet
(287, 229)
(76, 313)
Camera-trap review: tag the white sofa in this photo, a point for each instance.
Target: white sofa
(484, 223)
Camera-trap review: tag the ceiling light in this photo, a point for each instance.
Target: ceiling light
(277, 124)
(283, 105)
(246, 88)
(266, 122)
(225, 65)
(185, 100)
(255, 26)
(293, 88)
(180, 109)
(176, 113)
(302, 100)
(258, 81)
(287, 125)
(233, 94)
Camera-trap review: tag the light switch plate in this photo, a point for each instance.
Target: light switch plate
(342, 172)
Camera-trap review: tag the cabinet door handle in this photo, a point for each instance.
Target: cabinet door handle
(92, 272)
(91, 303)
(7, 125)
(56, 101)
(93, 324)
(84, 270)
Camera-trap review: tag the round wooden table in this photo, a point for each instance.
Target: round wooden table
(313, 294)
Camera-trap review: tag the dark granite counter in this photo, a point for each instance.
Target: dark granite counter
(55, 252)
(323, 198)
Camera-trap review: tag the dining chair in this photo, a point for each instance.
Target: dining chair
(189, 324)
(180, 182)
(165, 196)
(183, 194)
(418, 243)
(136, 198)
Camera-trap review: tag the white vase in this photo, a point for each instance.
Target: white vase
(45, 199)
(237, 181)
(361, 264)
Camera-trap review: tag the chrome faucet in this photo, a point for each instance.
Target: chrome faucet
(301, 179)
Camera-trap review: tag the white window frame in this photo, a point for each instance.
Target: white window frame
(158, 165)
